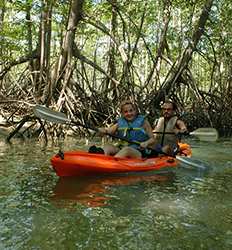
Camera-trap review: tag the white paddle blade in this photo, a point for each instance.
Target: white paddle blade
(206, 134)
(190, 163)
(50, 115)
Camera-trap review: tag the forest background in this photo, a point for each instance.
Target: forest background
(84, 57)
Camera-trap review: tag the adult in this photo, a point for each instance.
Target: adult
(168, 128)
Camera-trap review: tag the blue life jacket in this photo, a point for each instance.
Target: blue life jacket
(133, 130)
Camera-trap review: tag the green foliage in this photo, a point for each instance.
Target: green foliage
(141, 42)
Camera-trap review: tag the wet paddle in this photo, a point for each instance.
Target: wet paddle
(203, 134)
(58, 117)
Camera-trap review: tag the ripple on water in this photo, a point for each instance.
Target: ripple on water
(184, 211)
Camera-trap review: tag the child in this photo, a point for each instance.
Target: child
(133, 127)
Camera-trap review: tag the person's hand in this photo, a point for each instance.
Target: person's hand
(180, 134)
(185, 133)
(102, 131)
(144, 144)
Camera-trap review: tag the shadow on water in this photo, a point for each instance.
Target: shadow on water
(186, 209)
(95, 191)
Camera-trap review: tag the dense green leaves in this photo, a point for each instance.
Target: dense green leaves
(120, 48)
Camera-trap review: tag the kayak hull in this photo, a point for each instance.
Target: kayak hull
(81, 163)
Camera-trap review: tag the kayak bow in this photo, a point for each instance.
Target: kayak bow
(81, 163)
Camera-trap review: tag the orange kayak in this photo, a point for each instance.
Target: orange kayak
(81, 163)
(185, 149)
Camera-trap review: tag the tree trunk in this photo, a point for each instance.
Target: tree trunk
(63, 68)
(112, 51)
(44, 46)
(29, 35)
(2, 16)
(162, 42)
(181, 64)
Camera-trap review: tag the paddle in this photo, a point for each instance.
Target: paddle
(58, 117)
(204, 134)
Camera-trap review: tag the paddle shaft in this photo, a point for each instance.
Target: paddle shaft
(207, 134)
(105, 133)
(58, 117)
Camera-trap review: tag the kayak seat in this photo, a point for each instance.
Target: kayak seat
(95, 150)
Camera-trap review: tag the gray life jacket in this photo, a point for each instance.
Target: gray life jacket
(164, 139)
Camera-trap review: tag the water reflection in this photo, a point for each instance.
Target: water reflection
(94, 191)
(186, 210)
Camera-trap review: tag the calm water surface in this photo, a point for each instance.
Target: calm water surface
(188, 209)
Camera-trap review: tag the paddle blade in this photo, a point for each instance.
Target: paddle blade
(206, 134)
(50, 115)
(194, 164)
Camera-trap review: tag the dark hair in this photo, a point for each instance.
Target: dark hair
(171, 102)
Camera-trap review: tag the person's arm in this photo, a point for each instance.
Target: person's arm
(180, 127)
(108, 130)
(147, 127)
(156, 125)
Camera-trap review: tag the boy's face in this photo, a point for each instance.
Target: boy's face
(167, 110)
(129, 112)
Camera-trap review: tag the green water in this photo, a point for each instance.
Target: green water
(188, 209)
